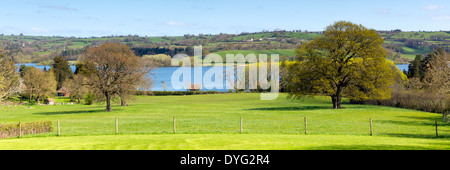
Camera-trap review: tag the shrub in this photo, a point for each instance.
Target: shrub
(12, 130)
(414, 99)
(161, 60)
(90, 98)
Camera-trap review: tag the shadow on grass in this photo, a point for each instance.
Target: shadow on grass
(429, 119)
(71, 112)
(427, 123)
(417, 121)
(372, 147)
(407, 123)
(299, 108)
(421, 136)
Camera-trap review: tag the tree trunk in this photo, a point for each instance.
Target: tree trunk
(37, 100)
(108, 103)
(337, 97)
(123, 102)
(31, 95)
(333, 100)
(444, 116)
(336, 102)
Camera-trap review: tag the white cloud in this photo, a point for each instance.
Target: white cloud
(173, 23)
(58, 7)
(440, 17)
(382, 11)
(37, 30)
(434, 7)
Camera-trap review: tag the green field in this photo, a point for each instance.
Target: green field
(285, 41)
(411, 53)
(419, 35)
(296, 35)
(280, 52)
(213, 122)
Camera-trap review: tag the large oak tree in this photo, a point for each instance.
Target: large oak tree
(348, 60)
(114, 69)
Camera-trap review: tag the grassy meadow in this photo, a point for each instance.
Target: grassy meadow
(213, 122)
(280, 52)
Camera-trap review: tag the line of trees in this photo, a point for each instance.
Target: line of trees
(141, 51)
(107, 71)
(428, 85)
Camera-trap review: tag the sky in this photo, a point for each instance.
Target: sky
(86, 18)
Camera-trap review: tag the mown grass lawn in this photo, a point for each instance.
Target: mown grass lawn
(224, 142)
(213, 122)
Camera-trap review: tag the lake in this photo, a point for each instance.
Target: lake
(164, 74)
(159, 75)
(402, 67)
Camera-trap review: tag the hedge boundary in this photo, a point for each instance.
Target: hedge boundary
(13, 130)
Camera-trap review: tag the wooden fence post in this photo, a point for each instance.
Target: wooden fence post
(20, 130)
(174, 127)
(117, 125)
(59, 132)
(241, 124)
(306, 126)
(371, 128)
(437, 136)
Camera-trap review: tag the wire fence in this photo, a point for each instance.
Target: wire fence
(245, 125)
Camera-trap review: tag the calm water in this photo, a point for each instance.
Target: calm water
(402, 67)
(40, 66)
(164, 74)
(159, 75)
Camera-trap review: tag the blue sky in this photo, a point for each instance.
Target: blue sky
(85, 18)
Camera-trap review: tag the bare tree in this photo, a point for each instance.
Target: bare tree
(438, 82)
(164, 85)
(235, 78)
(76, 87)
(114, 70)
(438, 74)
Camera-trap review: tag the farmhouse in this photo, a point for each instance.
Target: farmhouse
(195, 87)
(63, 92)
(49, 101)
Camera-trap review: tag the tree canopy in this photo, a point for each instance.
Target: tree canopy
(40, 83)
(431, 72)
(9, 78)
(114, 69)
(62, 70)
(347, 61)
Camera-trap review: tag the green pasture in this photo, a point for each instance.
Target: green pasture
(280, 52)
(213, 121)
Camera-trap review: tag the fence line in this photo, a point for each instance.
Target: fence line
(249, 125)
